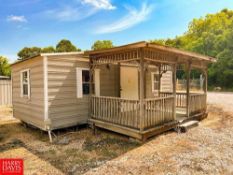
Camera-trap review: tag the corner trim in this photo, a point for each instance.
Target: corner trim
(45, 70)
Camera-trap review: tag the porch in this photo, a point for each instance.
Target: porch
(136, 103)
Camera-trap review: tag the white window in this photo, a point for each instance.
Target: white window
(155, 81)
(83, 82)
(25, 83)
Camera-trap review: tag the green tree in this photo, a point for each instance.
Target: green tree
(66, 46)
(28, 52)
(210, 35)
(49, 49)
(62, 46)
(4, 66)
(104, 44)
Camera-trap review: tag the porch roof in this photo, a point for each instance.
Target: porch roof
(167, 50)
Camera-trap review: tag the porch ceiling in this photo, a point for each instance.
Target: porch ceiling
(150, 52)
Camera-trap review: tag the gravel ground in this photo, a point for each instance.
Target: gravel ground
(207, 149)
(221, 99)
(76, 151)
(6, 114)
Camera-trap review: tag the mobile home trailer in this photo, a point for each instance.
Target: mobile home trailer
(129, 89)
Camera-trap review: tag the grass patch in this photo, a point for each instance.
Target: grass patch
(15, 143)
(83, 152)
(90, 145)
(109, 147)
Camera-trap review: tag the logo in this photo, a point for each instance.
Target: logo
(11, 167)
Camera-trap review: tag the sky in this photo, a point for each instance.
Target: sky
(27, 23)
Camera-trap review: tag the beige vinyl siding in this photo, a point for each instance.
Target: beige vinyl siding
(110, 80)
(64, 108)
(29, 110)
(166, 82)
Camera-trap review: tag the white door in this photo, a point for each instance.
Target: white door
(97, 82)
(129, 83)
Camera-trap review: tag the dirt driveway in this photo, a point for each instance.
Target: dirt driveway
(207, 149)
(223, 100)
(77, 151)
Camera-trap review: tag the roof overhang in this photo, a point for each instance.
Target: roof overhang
(50, 55)
(186, 55)
(4, 77)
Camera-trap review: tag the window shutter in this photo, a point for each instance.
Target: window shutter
(79, 83)
(97, 82)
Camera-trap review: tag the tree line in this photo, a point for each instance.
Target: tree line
(211, 35)
(62, 46)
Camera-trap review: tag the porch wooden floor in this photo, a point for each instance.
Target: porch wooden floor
(181, 114)
(135, 133)
(159, 115)
(181, 117)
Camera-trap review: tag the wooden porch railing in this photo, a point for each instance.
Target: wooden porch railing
(126, 112)
(180, 98)
(197, 103)
(158, 111)
(115, 110)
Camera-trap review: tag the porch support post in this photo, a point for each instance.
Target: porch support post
(92, 70)
(205, 87)
(206, 81)
(119, 80)
(91, 85)
(160, 75)
(174, 90)
(188, 88)
(141, 89)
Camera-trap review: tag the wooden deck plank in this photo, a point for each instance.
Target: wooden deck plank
(117, 128)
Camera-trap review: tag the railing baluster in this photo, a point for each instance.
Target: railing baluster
(197, 103)
(113, 111)
(93, 106)
(126, 112)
